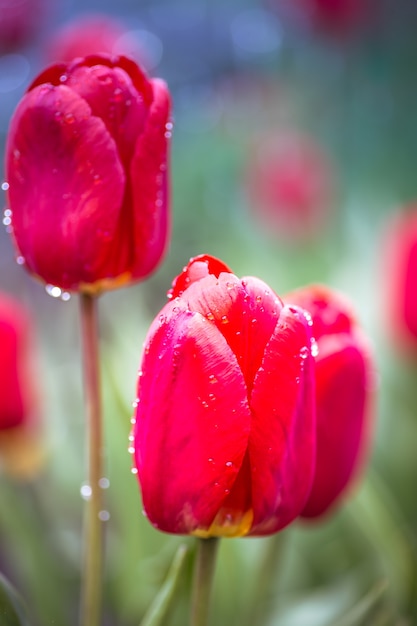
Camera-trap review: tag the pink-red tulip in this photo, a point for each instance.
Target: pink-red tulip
(343, 383)
(86, 165)
(400, 279)
(20, 447)
(224, 437)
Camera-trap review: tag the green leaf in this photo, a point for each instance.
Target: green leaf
(11, 609)
(161, 604)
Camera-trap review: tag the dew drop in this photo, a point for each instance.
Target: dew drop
(258, 298)
(227, 491)
(134, 470)
(53, 291)
(254, 320)
(224, 319)
(131, 450)
(230, 286)
(133, 421)
(162, 320)
(169, 126)
(314, 347)
(63, 78)
(5, 186)
(304, 352)
(212, 379)
(65, 296)
(210, 460)
(204, 404)
(69, 118)
(85, 492)
(229, 464)
(210, 316)
(20, 260)
(7, 221)
(104, 483)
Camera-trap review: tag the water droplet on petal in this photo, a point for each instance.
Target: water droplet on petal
(131, 450)
(134, 470)
(20, 260)
(229, 464)
(304, 352)
(210, 316)
(314, 347)
(224, 319)
(5, 186)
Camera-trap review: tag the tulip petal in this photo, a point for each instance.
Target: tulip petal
(245, 312)
(197, 268)
(341, 395)
(282, 441)
(148, 178)
(67, 184)
(192, 422)
(113, 98)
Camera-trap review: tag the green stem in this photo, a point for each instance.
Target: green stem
(92, 549)
(203, 580)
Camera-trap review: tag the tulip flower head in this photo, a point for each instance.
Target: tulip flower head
(20, 450)
(86, 166)
(224, 427)
(343, 382)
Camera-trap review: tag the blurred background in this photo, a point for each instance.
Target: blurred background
(294, 146)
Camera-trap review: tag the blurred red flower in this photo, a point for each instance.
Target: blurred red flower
(400, 278)
(224, 438)
(343, 395)
(20, 20)
(86, 164)
(20, 448)
(95, 33)
(289, 183)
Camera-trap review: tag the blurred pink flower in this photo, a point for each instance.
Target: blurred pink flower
(21, 451)
(399, 275)
(289, 183)
(19, 22)
(94, 33)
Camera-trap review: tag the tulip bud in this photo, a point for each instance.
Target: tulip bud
(86, 163)
(343, 381)
(20, 449)
(224, 432)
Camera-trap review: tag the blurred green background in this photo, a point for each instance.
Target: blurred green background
(238, 71)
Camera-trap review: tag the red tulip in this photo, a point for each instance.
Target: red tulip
(400, 278)
(20, 449)
(224, 429)
(87, 171)
(343, 377)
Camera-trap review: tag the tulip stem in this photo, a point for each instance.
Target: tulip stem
(203, 580)
(92, 540)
